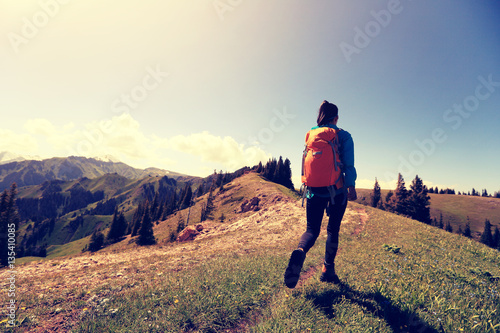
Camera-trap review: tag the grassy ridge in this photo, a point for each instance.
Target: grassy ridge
(456, 209)
(435, 282)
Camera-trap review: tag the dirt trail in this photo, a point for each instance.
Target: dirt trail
(363, 218)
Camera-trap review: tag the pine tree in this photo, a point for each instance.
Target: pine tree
(287, 174)
(96, 241)
(117, 229)
(259, 168)
(278, 172)
(401, 197)
(496, 239)
(9, 220)
(208, 208)
(441, 224)
(220, 179)
(146, 234)
(448, 228)
(419, 205)
(181, 224)
(188, 195)
(467, 232)
(170, 205)
(270, 169)
(137, 219)
(199, 191)
(389, 202)
(3, 229)
(154, 207)
(224, 180)
(376, 194)
(486, 237)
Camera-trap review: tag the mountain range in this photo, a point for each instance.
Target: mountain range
(28, 172)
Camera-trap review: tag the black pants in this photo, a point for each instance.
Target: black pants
(315, 210)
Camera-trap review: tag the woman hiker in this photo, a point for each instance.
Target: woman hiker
(333, 199)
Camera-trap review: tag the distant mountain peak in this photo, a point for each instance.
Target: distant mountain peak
(107, 158)
(8, 157)
(34, 172)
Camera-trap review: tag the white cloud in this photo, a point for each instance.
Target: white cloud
(223, 150)
(122, 136)
(369, 183)
(20, 143)
(40, 126)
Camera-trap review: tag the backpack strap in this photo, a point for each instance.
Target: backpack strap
(304, 159)
(304, 190)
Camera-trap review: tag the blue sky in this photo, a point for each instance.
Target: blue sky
(193, 86)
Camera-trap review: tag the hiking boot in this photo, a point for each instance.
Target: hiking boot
(328, 274)
(292, 272)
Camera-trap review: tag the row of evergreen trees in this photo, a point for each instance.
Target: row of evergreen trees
(119, 228)
(9, 221)
(414, 203)
(489, 238)
(474, 193)
(277, 171)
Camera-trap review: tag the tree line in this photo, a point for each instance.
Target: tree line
(9, 224)
(415, 204)
(278, 171)
(474, 193)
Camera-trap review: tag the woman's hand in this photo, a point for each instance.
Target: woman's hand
(351, 193)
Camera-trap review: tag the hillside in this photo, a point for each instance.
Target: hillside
(398, 275)
(456, 209)
(58, 212)
(35, 172)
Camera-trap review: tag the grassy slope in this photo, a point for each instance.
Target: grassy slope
(113, 185)
(437, 282)
(456, 209)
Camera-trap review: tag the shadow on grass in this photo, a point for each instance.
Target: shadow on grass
(374, 303)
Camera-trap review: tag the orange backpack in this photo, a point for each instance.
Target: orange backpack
(321, 165)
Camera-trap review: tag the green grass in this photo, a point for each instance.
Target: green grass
(207, 298)
(456, 209)
(435, 282)
(72, 248)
